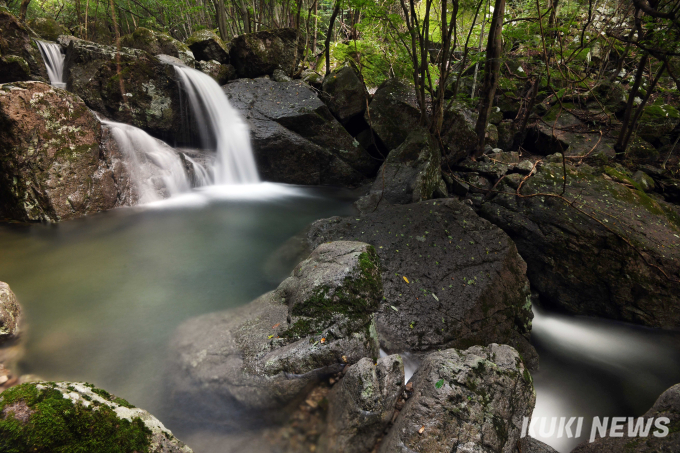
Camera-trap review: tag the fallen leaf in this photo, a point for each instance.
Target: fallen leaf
(435, 297)
(394, 308)
(405, 279)
(344, 358)
(270, 337)
(323, 340)
(276, 325)
(422, 428)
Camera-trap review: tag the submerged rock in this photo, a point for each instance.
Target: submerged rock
(472, 400)
(10, 311)
(451, 279)
(393, 113)
(51, 164)
(75, 416)
(158, 44)
(265, 354)
(258, 54)
(206, 46)
(20, 58)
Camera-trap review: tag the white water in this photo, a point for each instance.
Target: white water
(156, 169)
(217, 118)
(54, 61)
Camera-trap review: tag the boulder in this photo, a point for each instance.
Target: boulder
(393, 113)
(258, 54)
(10, 312)
(464, 401)
(531, 445)
(266, 354)
(19, 55)
(451, 279)
(656, 121)
(222, 73)
(157, 43)
(76, 416)
(52, 166)
(295, 138)
(362, 404)
(347, 94)
(458, 134)
(667, 405)
(623, 266)
(48, 28)
(411, 173)
(206, 46)
(312, 78)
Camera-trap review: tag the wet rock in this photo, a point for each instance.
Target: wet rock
(472, 400)
(312, 78)
(667, 405)
(19, 55)
(52, 166)
(361, 405)
(75, 416)
(206, 46)
(157, 43)
(393, 113)
(271, 351)
(347, 93)
(279, 75)
(258, 54)
(222, 73)
(48, 28)
(295, 137)
(645, 182)
(451, 279)
(10, 312)
(585, 267)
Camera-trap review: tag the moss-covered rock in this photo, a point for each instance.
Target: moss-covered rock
(21, 58)
(267, 353)
(458, 133)
(657, 120)
(73, 416)
(48, 28)
(10, 312)
(222, 73)
(206, 46)
(347, 94)
(157, 43)
(258, 54)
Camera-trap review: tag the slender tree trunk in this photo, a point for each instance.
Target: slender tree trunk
(220, 17)
(336, 10)
(479, 49)
(619, 146)
(87, 8)
(23, 9)
(491, 74)
(316, 25)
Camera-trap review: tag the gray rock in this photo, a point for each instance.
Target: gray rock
(464, 401)
(347, 93)
(222, 73)
(362, 404)
(393, 113)
(279, 75)
(644, 181)
(10, 313)
(525, 166)
(267, 353)
(157, 43)
(257, 54)
(312, 78)
(206, 46)
(466, 281)
(531, 445)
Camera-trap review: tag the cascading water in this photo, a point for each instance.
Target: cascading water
(54, 61)
(218, 120)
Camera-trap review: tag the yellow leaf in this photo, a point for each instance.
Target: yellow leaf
(405, 279)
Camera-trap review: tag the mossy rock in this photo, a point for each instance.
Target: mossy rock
(157, 43)
(258, 54)
(207, 45)
(48, 28)
(14, 69)
(16, 39)
(657, 120)
(74, 416)
(641, 151)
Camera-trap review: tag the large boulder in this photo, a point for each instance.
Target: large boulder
(530, 445)
(75, 416)
(10, 312)
(362, 404)
(347, 94)
(48, 28)
(657, 120)
(458, 134)
(157, 43)
(465, 401)
(393, 113)
(267, 353)
(52, 166)
(19, 54)
(667, 405)
(613, 253)
(451, 279)
(222, 73)
(258, 54)
(295, 137)
(206, 46)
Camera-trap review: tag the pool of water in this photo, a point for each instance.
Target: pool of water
(103, 294)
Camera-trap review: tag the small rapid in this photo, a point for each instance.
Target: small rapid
(54, 62)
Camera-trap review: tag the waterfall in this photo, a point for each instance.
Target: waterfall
(156, 170)
(54, 61)
(219, 121)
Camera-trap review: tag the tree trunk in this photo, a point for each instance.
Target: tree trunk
(336, 10)
(220, 17)
(491, 73)
(23, 8)
(619, 146)
(481, 39)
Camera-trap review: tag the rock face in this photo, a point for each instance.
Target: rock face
(531, 445)
(144, 93)
(267, 353)
(451, 279)
(393, 113)
(48, 28)
(258, 54)
(52, 166)
(19, 55)
(158, 44)
(295, 137)
(73, 416)
(10, 311)
(362, 404)
(222, 73)
(347, 93)
(667, 405)
(459, 137)
(472, 401)
(206, 46)
(584, 267)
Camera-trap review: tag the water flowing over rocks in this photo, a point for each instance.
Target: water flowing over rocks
(157, 43)
(53, 167)
(10, 313)
(258, 54)
(206, 46)
(451, 279)
(75, 416)
(265, 354)
(19, 55)
(472, 400)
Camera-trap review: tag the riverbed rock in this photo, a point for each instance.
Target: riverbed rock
(10, 312)
(76, 416)
(472, 400)
(362, 404)
(624, 265)
(258, 54)
(20, 58)
(393, 113)
(667, 405)
(206, 46)
(157, 43)
(222, 73)
(458, 134)
(347, 93)
(52, 166)
(295, 137)
(451, 279)
(47, 28)
(265, 354)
